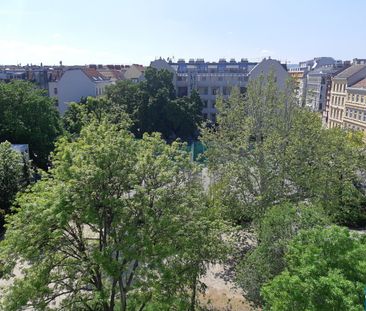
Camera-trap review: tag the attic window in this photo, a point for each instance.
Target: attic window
(95, 78)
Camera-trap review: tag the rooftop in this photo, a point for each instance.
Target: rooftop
(94, 75)
(350, 71)
(360, 84)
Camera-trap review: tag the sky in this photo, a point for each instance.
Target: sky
(139, 31)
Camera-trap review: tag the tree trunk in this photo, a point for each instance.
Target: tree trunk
(123, 295)
(194, 293)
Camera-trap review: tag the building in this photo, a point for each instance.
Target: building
(75, 84)
(318, 83)
(266, 66)
(335, 112)
(355, 107)
(213, 79)
(135, 73)
(300, 74)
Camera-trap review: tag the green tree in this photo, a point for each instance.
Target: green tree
(120, 223)
(11, 173)
(153, 107)
(28, 116)
(325, 271)
(275, 230)
(266, 149)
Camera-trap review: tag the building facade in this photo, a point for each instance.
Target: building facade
(75, 84)
(214, 79)
(318, 85)
(338, 94)
(355, 107)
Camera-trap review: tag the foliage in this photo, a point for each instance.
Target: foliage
(325, 271)
(151, 105)
(119, 222)
(28, 116)
(11, 171)
(277, 227)
(266, 150)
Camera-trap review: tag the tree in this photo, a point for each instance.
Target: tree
(325, 271)
(119, 224)
(11, 171)
(28, 116)
(153, 107)
(266, 149)
(275, 230)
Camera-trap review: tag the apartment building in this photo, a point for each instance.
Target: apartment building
(299, 76)
(355, 106)
(318, 83)
(338, 94)
(77, 83)
(213, 79)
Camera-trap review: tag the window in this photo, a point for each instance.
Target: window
(213, 103)
(226, 90)
(55, 90)
(205, 103)
(182, 91)
(215, 91)
(205, 116)
(221, 79)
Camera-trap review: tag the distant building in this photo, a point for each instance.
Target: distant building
(355, 107)
(338, 94)
(298, 74)
(301, 72)
(75, 84)
(213, 79)
(135, 73)
(317, 86)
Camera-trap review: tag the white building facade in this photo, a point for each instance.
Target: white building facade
(75, 84)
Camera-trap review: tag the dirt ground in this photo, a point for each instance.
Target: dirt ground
(222, 295)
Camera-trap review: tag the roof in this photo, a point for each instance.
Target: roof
(360, 84)
(323, 70)
(94, 75)
(112, 73)
(350, 71)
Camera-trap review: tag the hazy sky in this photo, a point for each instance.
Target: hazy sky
(137, 31)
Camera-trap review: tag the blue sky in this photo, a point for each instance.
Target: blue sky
(138, 31)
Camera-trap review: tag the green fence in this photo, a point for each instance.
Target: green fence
(196, 149)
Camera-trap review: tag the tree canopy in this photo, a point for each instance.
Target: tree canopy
(12, 171)
(325, 271)
(279, 225)
(119, 223)
(266, 149)
(28, 116)
(151, 105)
